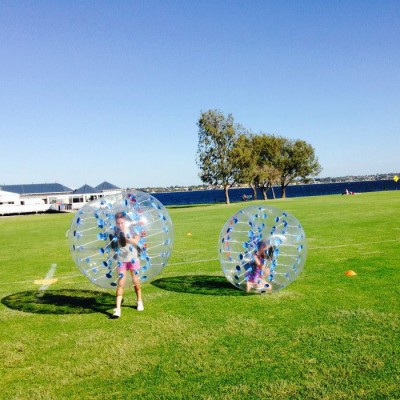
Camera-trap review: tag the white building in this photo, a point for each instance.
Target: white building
(33, 198)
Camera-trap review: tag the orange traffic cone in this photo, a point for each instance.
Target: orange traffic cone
(350, 273)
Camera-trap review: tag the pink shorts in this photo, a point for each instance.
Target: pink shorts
(129, 266)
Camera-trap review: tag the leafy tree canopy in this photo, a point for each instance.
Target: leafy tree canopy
(229, 154)
(217, 137)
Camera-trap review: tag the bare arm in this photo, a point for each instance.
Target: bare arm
(258, 261)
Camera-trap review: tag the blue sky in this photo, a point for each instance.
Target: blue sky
(112, 90)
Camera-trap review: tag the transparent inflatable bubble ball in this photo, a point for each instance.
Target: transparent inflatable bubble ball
(262, 249)
(127, 227)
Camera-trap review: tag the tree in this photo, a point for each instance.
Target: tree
(252, 158)
(245, 163)
(296, 160)
(267, 174)
(217, 137)
(228, 154)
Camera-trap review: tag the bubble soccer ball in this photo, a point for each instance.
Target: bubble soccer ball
(98, 247)
(262, 249)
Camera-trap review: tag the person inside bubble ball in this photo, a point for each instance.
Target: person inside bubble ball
(258, 269)
(125, 242)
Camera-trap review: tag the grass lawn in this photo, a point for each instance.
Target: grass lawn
(325, 336)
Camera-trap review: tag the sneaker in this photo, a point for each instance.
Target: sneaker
(116, 314)
(140, 306)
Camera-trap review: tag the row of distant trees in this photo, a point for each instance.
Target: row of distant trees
(229, 154)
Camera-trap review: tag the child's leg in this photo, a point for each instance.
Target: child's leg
(136, 285)
(120, 291)
(249, 286)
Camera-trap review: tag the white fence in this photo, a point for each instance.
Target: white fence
(6, 209)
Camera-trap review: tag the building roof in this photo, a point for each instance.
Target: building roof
(37, 188)
(85, 189)
(106, 186)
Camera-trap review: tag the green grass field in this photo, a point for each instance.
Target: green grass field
(326, 336)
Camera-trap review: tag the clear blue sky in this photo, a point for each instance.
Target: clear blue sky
(112, 90)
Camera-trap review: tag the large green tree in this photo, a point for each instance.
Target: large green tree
(217, 137)
(267, 174)
(227, 154)
(245, 163)
(252, 157)
(294, 159)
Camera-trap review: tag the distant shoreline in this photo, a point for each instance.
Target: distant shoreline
(213, 196)
(200, 188)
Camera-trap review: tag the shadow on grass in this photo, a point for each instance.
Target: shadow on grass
(60, 302)
(199, 284)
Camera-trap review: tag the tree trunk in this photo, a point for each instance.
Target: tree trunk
(273, 192)
(226, 188)
(254, 192)
(264, 193)
(283, 188)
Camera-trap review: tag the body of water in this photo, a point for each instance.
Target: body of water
(236, 195)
